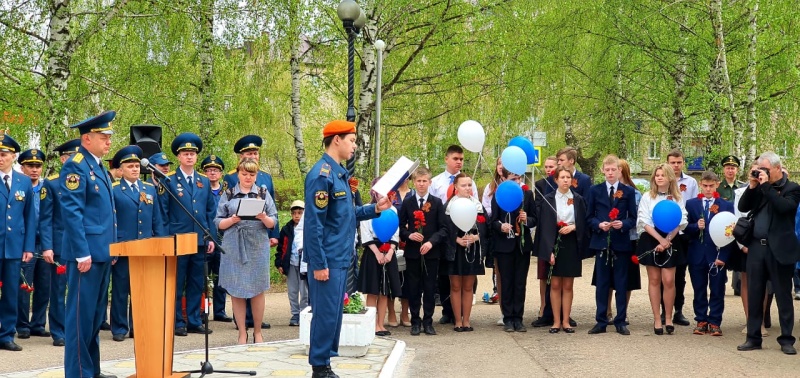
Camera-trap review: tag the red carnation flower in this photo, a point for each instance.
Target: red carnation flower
(402, 245)
(61, 269)
(562, 224)
(525, 188)
(613, 214)
(480, 219)
(635, 259)
(716, 195)
(1, 283)
(700, 196)
(385, 247)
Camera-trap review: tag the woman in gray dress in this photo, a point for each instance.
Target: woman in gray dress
(244, 268)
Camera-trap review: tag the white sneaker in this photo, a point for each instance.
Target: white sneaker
(797, 296)
(500, 322)
(473, 299)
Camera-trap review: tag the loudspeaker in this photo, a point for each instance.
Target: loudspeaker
(147, 137)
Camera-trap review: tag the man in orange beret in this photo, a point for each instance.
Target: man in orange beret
(328, 240)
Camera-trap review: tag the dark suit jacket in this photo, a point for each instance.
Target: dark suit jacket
(706, 252)
(781, 238)
(502, 244)
(435, 230)
(598, 207)
(547, 228)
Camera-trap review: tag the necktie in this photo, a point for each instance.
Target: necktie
(705, 209)
(611, 195)
(189, 183)
(5, 180)
(135, 188)
(421, 202)
(452, 178)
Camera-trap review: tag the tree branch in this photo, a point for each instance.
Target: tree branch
(22, 30)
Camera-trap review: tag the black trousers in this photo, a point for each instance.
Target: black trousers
(762, 267)
(444, 289)
(421, 285)
(514, 268)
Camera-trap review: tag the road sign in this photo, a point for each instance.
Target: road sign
(537, 161)
(540, 138)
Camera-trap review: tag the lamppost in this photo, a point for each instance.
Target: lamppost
(379, 46)
(353, 19)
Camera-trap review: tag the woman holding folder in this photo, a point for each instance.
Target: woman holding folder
(244, 268)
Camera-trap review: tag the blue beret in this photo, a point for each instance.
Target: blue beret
(247, 143)
(187, 142)
(7, 143)
(32, 156)
(69, 147)
(159, 158)
(212, 161)
(97, 124)
(126, 155)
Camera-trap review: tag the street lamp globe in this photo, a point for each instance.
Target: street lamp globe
(380, 45)
(348, 10)
(361, 20)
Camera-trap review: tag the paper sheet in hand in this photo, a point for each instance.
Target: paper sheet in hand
(250, 207)
(400, 171)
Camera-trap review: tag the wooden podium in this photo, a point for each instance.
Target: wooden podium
(153, 269)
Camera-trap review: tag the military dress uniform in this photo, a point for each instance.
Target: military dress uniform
(726, 190)
(51, 228)
(328, 244)
(138, 217)
(191, 190)
(160, 158)
(18, 236)
(214, 161)
(89, 228)
(36, 272)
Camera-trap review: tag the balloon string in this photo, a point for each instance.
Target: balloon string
(536, 190)
(474, 172)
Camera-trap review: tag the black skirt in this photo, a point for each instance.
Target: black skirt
(468, 262)
(568, 261)
(666, 259)
(737, 261)
(377, 279)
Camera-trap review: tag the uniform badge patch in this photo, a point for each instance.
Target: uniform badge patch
(224, 186)
(161, 190)
(43, 193)
(73, 181)
(321, 198)
(325, 170)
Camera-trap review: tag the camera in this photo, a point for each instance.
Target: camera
(757, 172)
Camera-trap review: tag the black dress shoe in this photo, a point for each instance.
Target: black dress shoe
(223, 318)
(323, 372)
(748, 345)
(58, 342)
(265, 325)
(542, 322)
(518, 327)
(12, 346)
(623, 330)
(23, 334)
(428, 329)
(569, 330)
(572, 323)
(597, 329)
(118, 337)
(181, 331)
(445, 319)
(415, 330)
(680, 320)
(201, 330)
(508, 326)
(104, 326)
(788, 349)
(40, 333)
(101, 375)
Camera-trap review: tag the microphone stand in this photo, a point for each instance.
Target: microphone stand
(205, 366)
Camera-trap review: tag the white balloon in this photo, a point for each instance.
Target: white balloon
(463, 213)
(721, 228)
(471, 135)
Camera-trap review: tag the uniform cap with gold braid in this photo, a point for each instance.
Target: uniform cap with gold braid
(32, 156)
(69, 147)
(731, 160)
(212, 161)
(7, 143)
(97, 124)
(187, 142)
(338, 127)
(127, 154)
(248, 143)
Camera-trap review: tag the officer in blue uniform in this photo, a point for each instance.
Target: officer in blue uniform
(328, 240)
(35, 272)
(18, 236)
(138, 217)
(89, 228)
(160, 161)
(191, 189)
(249, 146)
(213, 166)
(51, 228)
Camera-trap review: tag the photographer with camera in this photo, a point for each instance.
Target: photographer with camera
(773, 249)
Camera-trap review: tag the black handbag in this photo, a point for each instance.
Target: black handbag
(743, 231)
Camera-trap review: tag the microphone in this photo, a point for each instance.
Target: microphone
(156, 172)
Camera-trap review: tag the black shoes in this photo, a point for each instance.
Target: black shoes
(623, 330)
(104, 326)
(445, 319)
(23, 334)
(201, 330)
(118, 337)
(680, 320)
(58, 342)
(518, 327)
(223, 318)
(101, 375)
(597, 329)
(670, 328)
(181, 331)
(749, 345)
(12, 346)
(40, 333)
(508, 326)
(323, 372)
(788, 349)
(415, 330)
(382, 333)
(428, 329)
(543, 322)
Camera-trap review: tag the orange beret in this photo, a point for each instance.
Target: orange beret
(338, 127)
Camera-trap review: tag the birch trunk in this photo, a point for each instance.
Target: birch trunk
(297, 122)
(206, 56)
(57, 74)
(752, 93)
(724, 80)
(365, 126)
(678, 119)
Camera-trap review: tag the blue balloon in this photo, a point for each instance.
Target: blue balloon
(514, 160)
(526, 146)
(667, 215)
(508, 195)
(385, 225)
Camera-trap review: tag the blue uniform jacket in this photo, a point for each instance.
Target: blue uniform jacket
(163, 202)
(196, 196)
(598, 209)
(138, 215)
(19, 233)
(264, 180)
(329, 226)
(90, 224)
(51, 224)
(706, 252)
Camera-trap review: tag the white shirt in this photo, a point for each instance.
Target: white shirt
(297, 243)
(130, 184)
(486, 199)
(610, 185)
(566, 212)
(441, 182)
(691, 188)
(417, 197)
(737, 196)
(190, 173)
(645, 215)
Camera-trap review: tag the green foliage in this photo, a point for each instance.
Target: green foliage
(354, 304)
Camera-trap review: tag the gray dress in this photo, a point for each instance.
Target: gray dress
(244, 267)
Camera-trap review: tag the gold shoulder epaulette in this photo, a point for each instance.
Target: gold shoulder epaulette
(232, 171)
(264, 171)
(78, 157)
(115, 183)
(202, 174)
(147, 183)
(171, 173)
(52, 177)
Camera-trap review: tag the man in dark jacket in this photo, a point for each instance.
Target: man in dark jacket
(287, 260)
(774, 249)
